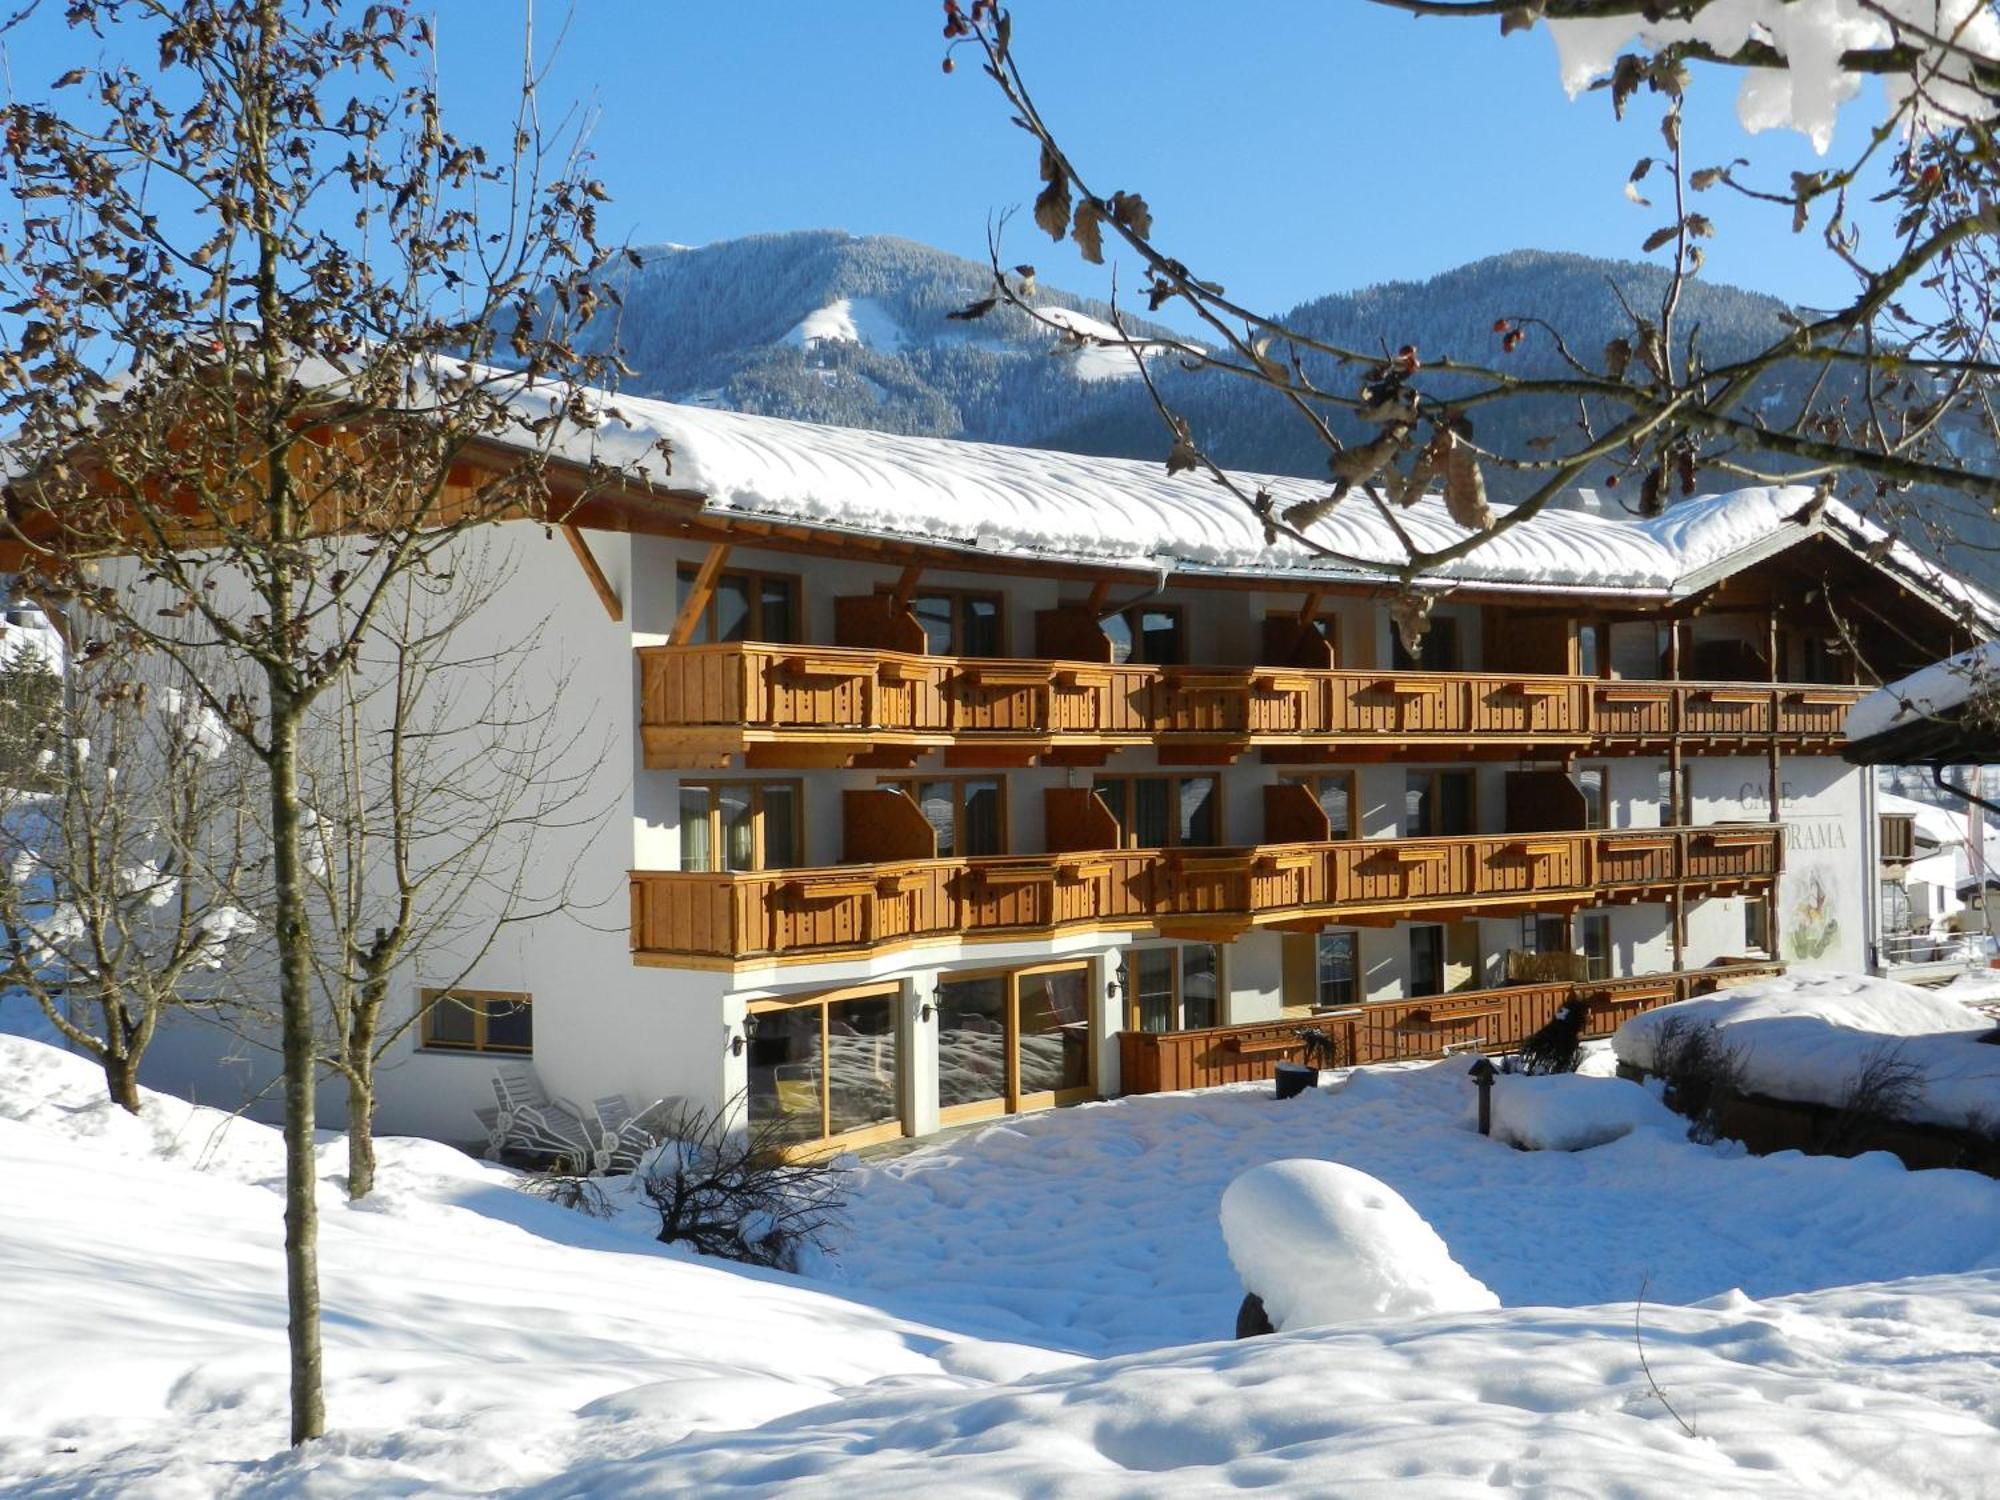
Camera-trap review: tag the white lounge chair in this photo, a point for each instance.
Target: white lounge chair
(533, 1124)
(623, 1138)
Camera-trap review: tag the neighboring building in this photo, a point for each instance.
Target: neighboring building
(954, 779)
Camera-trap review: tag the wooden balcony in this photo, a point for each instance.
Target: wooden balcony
(682, 918)
(1384, 1031)
(800, 706)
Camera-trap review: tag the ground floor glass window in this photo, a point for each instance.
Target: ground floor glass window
(824, 1067)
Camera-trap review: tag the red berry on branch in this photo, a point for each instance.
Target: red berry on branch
(947, 65)
(1501, 325)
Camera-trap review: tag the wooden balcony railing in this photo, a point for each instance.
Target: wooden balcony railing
(765, 916)
(698, 703)
(1491, 1020)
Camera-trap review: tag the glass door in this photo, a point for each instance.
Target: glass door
(1050, 1037)
(1013, 1041)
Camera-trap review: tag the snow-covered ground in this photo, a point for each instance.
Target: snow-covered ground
(481, 1341)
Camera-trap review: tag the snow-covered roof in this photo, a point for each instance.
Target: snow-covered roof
(1939, 826)
(1937, 690)
(1064, 506)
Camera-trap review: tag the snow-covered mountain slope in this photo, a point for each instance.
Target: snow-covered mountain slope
(481, 1341)
(849, 320)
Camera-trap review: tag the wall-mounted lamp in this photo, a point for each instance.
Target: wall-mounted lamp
(926, 1008)
(737, 1042)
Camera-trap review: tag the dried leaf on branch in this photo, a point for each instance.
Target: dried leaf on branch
(1465, 486)
(1306, 513)
(1430, 460)
(1410, 613)
(1088, 231)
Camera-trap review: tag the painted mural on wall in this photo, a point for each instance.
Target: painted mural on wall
(1825, 883)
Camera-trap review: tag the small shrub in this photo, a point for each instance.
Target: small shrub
(1558, 1046)
(734, 1195)
(1883, 1090)
(573, 1190)
(1702, 1073)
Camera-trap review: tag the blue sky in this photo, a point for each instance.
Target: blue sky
(1288, 147)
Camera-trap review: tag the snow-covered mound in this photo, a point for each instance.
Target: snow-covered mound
(849, 320)
(1564, 1112)
(1876, 1391)
(1324, 1243)
(1808, 1036)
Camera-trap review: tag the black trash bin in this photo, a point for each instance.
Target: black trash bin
(1294, 1079)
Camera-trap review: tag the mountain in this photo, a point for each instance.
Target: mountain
(826, 326)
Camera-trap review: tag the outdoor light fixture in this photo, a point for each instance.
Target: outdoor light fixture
(928, 1008)
(737, 1042)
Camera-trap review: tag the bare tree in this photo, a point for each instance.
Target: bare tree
(440, 775)
(256, 291)
(1896, 377)
(123, 864)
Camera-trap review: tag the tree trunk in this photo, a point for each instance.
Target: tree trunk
(296, 1006)
(121, 1077)
(360, 1138)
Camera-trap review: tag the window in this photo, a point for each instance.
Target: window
(1540, 934)
(823, 1067)
(744, 606)
(740, 825)
(967, 813)
(1163, 812)
(1339, 969)
(1013, 1041)
(477, 1021)
(1146, 633)
(1591, 781)
(1335, 794)
(1757, 923)
(957, 623)
(1593, 935)
(1173, 989)
(1439, 652)
(1674, 809)
(1437, 804)
(1426, 961)
(1589, 650)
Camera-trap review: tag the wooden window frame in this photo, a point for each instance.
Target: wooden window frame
(431, 1001)
(1012, 1100)
(756, 785)
(1435, 801)
(824, 1001)
(755, 578)
(1320, 1002)
(1125, 780)
(1313, 780)
(1603, 769)
(1128, 614)
(1765, 944)
(1128, 984)
(908, 786)
(959, 598)
(1531, 937)
(1601, 920)
(1443, 960)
